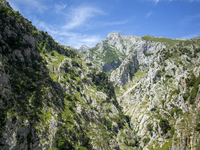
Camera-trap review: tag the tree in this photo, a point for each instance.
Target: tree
(150, 127)
(52, 53)
(164, 124)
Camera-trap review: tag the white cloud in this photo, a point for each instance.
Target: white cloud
(59, 7)
(77, 40)
(191, 36)
(188, 19)
(156, 1)
(70, 38)
(30, 4)
(149, 14)
(81, 15)
(51, 30)
(115, 23)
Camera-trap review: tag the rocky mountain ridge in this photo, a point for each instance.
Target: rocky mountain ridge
(83, 49)
(153, 85)
(111, 52)
(51, 97)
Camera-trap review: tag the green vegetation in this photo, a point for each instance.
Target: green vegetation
(138, 74)
(176, 110)
(171, 42)
(36, 98)
(166, 146)
(197, 128)
(193, 83)
(110, 54)
(146, 140)
(52, 53)
(150, 127)
(172, 130)
(148, 54)
(162, 40)
(164, 124)
(102, 83)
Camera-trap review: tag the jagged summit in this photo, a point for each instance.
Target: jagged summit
(83, 49)
(112, 51)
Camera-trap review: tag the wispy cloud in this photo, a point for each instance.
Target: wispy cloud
(81, 15)
(78, 40)
(59, 7)
(191, 36)
(48, 28)
(29, 5)
(149, 14)
(188, 19)
(70, 38)
(115, 23)
(156, 1)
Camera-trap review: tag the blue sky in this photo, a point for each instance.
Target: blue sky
(78, 22)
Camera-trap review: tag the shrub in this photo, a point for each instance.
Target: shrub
(89, 64)
(164, 124)
(75, 64)
(176, 110)
(163, 102)
(146, 140)
(148, 54)
(193, 94)
(72, 76)
(22, 83)
(150, 127)
(186, 95)
(52, 53)
(168, 76)
(5, 90)
(172, 130)
(197, 128)
(68, 97)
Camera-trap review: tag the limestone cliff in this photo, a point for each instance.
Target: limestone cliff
(54, 97)
(111, 52)
(162, 100)
(51, 97)
(84, 49)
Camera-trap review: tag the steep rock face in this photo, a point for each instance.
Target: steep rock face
(83, 49)
(51, 97)
(124, 73)
(142, 59)
(161, 94)
(111, 52)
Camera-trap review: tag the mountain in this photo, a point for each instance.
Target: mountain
(111, 52)
(83, 49)
(127, 92)
(163, 100)
(51, 97)
(157, 84)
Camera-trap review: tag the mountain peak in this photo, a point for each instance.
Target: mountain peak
(83, 49)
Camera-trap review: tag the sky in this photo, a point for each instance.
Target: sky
(87, 22)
